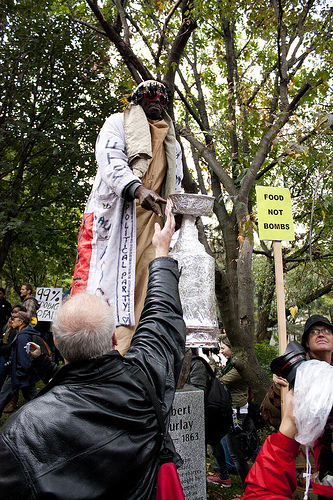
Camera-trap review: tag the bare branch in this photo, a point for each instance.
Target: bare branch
(122, 15)
(268, 136)
(84, 23)
(180, 41)
(165, 24)
(144, 38)
(210, 158)
(131, 60)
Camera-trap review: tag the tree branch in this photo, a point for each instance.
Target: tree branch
(210, 158)
(130, 59)
(165, 24)
(84, 23)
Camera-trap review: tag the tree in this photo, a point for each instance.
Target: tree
(54, 94)
(248, 125)
(307, 261)
(246, 73)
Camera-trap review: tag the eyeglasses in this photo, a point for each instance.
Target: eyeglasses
(316, 331)
(152, 95)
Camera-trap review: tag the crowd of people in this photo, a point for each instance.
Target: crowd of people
(94, 430)
(16, 373)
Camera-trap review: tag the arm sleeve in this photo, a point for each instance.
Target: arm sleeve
(158, 344)
(23, 362)
(111, 155)
(199, 376)
(273, 475)
(231, 379)
(30, 307)
(271, 407)
(44, 367)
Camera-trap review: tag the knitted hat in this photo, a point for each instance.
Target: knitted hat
(143, 87)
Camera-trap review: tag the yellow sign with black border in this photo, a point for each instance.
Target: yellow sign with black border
(275, 220)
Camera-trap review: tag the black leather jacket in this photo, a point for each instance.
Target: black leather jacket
(92, 432)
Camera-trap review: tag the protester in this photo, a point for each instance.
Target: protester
(92, 432)
(5, 309)
(6, 345)
(239, 392)
(29, 302)
(22, 376)
(317, 339)
(218, 450)
(139, 165)
(273, 476)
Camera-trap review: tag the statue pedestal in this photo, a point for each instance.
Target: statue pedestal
(187, 429)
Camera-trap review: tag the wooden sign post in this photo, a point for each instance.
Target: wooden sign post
(275, 223)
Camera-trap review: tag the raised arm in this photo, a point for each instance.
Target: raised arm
(159, 341)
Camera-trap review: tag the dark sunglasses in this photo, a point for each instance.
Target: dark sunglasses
(152, 95)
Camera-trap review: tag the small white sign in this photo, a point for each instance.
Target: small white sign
(49, 300)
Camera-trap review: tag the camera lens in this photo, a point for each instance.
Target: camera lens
(286, 365)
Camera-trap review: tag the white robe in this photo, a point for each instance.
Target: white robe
(107, 240)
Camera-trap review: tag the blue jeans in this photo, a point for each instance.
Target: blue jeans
(228, 460)
(218, 452)
(236, 453)
(29, 392)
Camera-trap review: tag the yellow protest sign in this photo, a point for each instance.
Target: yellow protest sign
(275, 220)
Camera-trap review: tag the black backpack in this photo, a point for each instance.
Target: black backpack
(218, 408)
(44, 348)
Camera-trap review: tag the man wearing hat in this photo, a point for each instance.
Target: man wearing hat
(317, 340)
(139, 165)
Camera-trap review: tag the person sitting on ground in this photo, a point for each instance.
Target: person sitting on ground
(92, 432)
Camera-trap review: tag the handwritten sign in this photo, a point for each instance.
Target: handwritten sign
(49, 300)
(275, 220)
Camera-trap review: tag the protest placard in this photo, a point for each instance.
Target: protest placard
(49, 300)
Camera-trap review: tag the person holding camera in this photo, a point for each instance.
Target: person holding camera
(21, 374)
(273, 475)
(317, 342)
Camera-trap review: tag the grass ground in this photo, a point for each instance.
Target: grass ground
(216, 492)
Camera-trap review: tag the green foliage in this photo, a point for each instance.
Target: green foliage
(265, 354)
(55, 94)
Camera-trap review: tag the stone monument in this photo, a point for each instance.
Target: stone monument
(188, 434)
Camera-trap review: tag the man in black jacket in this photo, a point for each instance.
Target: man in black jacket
(92, 432)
